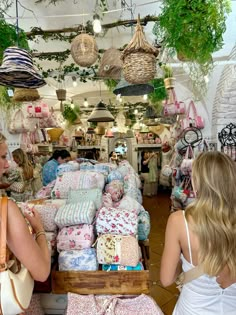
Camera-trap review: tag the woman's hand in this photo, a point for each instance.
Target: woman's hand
(34, 220)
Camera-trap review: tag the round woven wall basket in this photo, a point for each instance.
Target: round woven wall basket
(26, 95)
(84, 50)
(139, 67)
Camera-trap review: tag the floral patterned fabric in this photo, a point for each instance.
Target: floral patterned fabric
(118, 250)
(75, 213)
(112, 305)
(117, 221)
(116, 189)
(51, 237)
(81, 260)
(49, 171)
(35, 307)
(67, 167)
(144, 225)
(47, 214)
(115, 175)
(77, 180)
(75, 237)
(129, 203)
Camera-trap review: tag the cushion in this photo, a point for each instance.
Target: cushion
(80, 195)
(116, 189)
(81, 260)
(75, 213)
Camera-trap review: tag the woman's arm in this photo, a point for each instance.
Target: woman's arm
(33, 254)
(171, 265)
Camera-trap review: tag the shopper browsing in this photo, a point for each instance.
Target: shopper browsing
(205, 236)
(50, 167)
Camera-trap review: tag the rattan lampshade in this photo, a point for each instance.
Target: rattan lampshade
(84, 50)
(100, 114)
(126, 89)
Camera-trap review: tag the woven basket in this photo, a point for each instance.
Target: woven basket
(55, 134)
(84, 50)
(61, 94)
(25, 95)
(111, 64)
(139, 58)
(139, 68)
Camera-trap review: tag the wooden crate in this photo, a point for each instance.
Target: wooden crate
(100, 282)
(104, 282)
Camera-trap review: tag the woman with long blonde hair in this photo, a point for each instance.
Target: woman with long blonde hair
(204, 238)
(21, 177)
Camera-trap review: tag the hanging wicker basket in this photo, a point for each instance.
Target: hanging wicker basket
(139, 58)
(61, 94)
(84, 50)
(25, 95)
(111, 64)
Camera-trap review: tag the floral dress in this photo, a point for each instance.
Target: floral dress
(20, 189)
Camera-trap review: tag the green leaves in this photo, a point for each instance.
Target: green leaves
(8, 37)
(193, 28)
(69, 113)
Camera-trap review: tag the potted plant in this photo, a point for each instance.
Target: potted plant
(169, 80)
(193, 29)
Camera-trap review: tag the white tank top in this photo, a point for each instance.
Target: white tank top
(204, 295)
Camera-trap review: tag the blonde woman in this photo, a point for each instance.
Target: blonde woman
(205, 236)
(21, 177)
(33, 254)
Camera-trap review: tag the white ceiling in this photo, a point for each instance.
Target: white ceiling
(69, 13)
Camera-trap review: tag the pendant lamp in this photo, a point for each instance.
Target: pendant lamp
(100, 114)
(109, 134)
(127, 89)
(129, 134)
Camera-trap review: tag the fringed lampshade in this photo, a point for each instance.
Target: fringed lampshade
(126, 89)
(100, 114)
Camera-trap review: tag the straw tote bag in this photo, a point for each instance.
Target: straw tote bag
(16, 288)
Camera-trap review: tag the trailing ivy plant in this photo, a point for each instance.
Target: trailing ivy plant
(70, 114)
(6, 104)
(9, 37)
(193, 28)
(159, 93)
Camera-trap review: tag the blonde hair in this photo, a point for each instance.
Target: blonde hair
(214, 211)
(2, 138)
(23, 162)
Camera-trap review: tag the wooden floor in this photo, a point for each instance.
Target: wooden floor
(158, 208)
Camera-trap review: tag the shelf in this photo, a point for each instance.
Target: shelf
(88, 147)
(142, 146)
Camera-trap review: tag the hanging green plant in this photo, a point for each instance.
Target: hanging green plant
(6, 104)
(194, 29)
(9, 37)
(159, 93)
(111, 84)
(70, 114)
